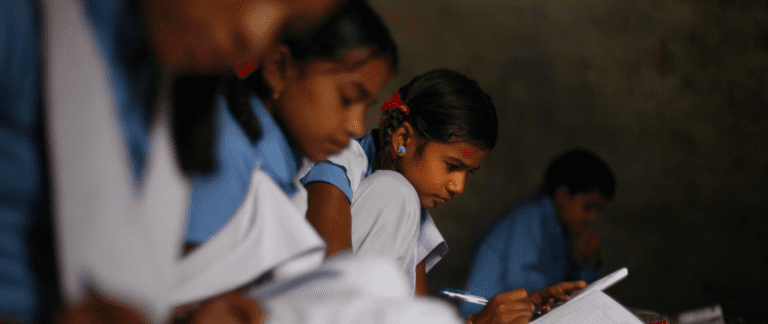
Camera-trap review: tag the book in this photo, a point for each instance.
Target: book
(592, 306)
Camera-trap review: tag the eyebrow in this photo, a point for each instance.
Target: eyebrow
(461, 163)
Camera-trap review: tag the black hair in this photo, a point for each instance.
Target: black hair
(443, 105)
(580, 171)
(354, 25)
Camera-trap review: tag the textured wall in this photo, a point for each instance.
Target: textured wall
(672, 94)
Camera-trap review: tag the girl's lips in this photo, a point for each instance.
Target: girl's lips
(441, 200)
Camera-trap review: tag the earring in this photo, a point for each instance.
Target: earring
(400, 149)
(275, 96)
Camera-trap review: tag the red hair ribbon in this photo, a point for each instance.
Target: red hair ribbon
(395, 103)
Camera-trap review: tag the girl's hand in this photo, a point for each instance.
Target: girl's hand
(545, 298)
(513, 307)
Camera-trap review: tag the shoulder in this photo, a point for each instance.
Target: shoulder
(350, 157)
(533, 210)
(388, 189)
(369, 144)
(525, 219)
(392, 184)
(344, 170)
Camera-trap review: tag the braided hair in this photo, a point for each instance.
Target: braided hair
(443, 105)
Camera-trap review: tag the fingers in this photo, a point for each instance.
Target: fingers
(559, 292)
(511, 307)
(571, 286)
(517, 294)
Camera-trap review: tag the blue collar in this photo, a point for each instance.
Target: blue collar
(132, 70)
(277, 158)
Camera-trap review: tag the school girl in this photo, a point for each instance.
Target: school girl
(312, 94)
(442, 113)
(372, 197)
(246, 221)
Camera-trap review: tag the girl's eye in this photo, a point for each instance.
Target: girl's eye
(344, 99)
(452, 167)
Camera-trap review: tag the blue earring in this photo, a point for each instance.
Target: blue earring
(400, 149)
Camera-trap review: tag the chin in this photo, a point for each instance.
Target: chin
(318, 158)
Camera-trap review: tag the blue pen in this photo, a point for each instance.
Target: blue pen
(465, 296)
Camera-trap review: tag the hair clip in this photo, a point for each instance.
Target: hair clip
(395, 103)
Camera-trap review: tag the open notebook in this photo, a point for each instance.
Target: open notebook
(591, 306)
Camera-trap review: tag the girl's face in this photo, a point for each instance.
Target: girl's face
(438, 170)
(322, 105)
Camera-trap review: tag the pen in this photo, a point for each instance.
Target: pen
(465, 296)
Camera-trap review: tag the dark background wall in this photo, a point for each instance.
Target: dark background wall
(672, 94)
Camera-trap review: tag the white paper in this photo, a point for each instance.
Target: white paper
(594, 307)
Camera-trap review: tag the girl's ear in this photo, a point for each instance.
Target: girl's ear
(404, 135)
(277, 66)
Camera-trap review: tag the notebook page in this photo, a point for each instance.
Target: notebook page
(594, 307)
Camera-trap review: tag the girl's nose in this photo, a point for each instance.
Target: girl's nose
(456, 185)
(355, 126)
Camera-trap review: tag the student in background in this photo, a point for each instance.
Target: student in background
(50, 52)
(547, 239)
(372, 197)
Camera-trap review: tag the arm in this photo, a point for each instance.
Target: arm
(421, 278)
(328, 210)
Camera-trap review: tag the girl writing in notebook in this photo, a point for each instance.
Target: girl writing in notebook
(372, 197)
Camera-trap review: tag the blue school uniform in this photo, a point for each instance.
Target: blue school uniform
(216, 197)
(29, 288)
(431, 245)
(529, 249)
(248, 215)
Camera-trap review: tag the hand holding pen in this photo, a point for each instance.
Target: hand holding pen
(513, 307)
(516, 306)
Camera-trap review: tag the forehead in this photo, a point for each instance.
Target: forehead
(592, 199)
(372, 74)
(470, 154)
(371, 69)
